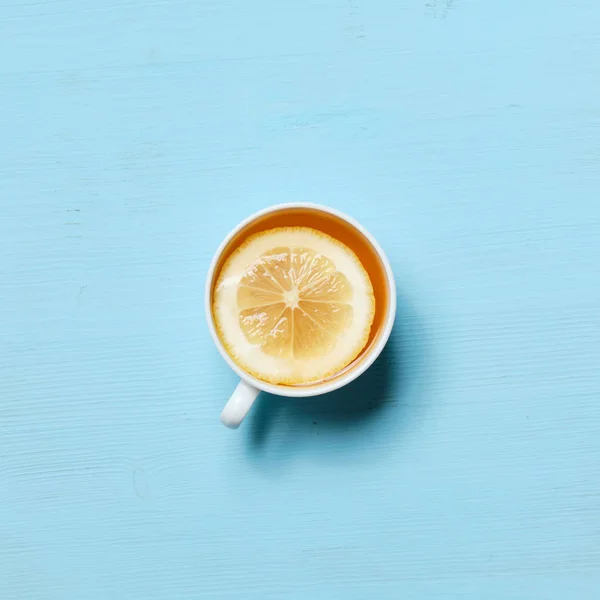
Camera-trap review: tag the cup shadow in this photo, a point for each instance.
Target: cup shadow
(387, 384)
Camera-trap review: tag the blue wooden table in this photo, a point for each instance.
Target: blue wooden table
(465, 135)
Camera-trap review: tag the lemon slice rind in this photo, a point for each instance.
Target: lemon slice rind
(338, 327)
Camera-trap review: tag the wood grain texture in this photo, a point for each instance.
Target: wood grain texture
(465, 135)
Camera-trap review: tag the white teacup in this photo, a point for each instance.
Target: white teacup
(339, 226)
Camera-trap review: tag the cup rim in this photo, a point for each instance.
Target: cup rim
(340, 381)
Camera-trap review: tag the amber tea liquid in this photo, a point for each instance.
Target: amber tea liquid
(337, 228)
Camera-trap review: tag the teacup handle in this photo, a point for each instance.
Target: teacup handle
(239, 404)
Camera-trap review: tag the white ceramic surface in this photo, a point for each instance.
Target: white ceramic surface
(246, 392)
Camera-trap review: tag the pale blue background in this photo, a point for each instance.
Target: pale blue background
(465, 135)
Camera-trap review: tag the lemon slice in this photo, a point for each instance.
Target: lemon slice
(293, 305)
